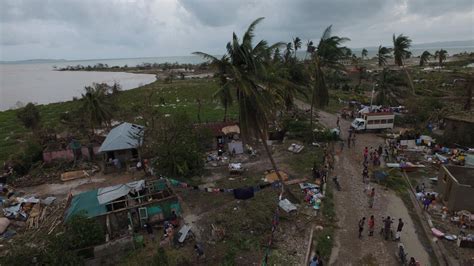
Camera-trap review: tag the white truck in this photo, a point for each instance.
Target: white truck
(373, 121)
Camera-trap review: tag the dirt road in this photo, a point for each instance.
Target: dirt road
(352, 204)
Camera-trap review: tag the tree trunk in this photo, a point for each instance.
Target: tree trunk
(311, 112)
(467, 106)
(225, 113)
(275, 168)
(410, 82)
(199, 111)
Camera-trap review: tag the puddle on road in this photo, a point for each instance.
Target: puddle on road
(409, 237)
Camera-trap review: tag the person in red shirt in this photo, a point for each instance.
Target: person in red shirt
(371, 224)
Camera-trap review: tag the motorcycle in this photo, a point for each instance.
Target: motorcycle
(336, 182)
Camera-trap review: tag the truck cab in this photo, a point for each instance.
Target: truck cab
(358, 124)
(374, 121)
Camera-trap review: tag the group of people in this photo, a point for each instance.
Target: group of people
(386, 230)
(374, 155)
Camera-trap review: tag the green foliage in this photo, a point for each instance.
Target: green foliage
(401, 44)
(29, 154)
(59, 249)
(324, 242)
(82, 232)
(160, 258)
(97, 105)
(176, 146)
(29, 116)
(421, 110)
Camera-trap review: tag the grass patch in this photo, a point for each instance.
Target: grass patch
(172, 98)
(394, 181)
(303, 162)
(323, 242)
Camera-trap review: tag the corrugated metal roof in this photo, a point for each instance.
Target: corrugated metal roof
(122, 137)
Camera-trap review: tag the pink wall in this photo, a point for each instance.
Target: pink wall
(49, 156)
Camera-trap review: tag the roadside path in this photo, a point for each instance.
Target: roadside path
(352, 204)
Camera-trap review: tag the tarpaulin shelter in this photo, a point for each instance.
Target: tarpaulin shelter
(108, 194)
(86, 203)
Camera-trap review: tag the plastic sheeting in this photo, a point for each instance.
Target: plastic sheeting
(108, 194)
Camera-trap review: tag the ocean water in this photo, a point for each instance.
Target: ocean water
(39, 83)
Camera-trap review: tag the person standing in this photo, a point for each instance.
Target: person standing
(387, 227)
(371, 224)
(361, 226)
(349, 142)
(371, 198)
(337, 122)
(354, 140)
(399, 229)
(342, 145)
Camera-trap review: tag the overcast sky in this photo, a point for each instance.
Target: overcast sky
(82, 29)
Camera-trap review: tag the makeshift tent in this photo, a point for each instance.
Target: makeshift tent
(272, 176)
(231, 129)
(87, 203)
(123, 137)
(108, 194)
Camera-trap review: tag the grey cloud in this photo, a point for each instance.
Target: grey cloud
(121, 28)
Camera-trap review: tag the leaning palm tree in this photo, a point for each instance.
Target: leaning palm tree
(222, 67)
(364, 53)
(383, 53)
(424, 58)
(296, 44)
(441, 56)
(96, 106)
(401, 44)
(326, 56)
(258, 91)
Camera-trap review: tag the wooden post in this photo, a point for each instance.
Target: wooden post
(310, 244)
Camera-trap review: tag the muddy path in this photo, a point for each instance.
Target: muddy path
(352, 204)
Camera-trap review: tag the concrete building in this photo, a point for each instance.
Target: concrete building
(456, 187)
(459, 129)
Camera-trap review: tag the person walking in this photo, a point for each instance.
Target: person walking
(349, 142)
(337, 122)
(399, 229)
(371, 224)
(354, 140)
(371, 198)
(361, 226)
(387, 227)
(342, 145)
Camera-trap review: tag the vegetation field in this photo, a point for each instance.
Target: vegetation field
(178, 96)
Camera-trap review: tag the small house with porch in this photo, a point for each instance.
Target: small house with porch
(121, 144)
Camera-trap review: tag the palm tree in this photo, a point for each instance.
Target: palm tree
(222, 66)
(288, 51)
(383, 53)
(401, 44)
(441, 56)
(364, 53)
(424, 58)
(96, 106)
(258, 91)
(296, 44)
(326, 56)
